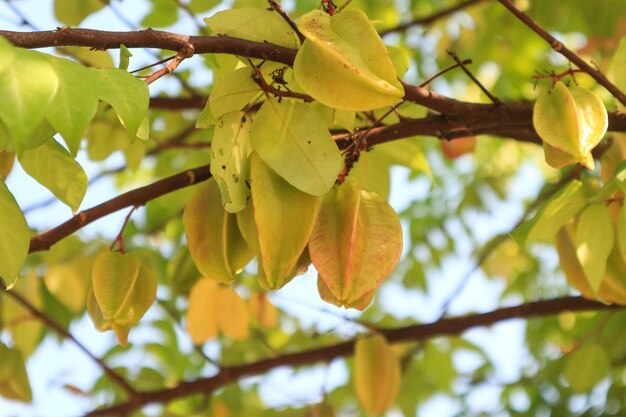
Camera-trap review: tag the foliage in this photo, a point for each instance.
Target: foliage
(410, 161)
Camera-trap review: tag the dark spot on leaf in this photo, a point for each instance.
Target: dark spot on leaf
(223, 166)
(235, 178)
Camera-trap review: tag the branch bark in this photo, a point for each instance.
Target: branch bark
(418, 332)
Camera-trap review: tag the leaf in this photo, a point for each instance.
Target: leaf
(553, 214)
(215, 243)
(14, 236)
(263, 311)
(291, 138)
(125, 56)
(356, 242)
(284, 218)
(233, 316)
(233, 92)
(75, 103)
(199, 6)
(376, 373)
(621, 231)
(124, 289)
(27, 87)
(594, 240)
(255, 24)
(230, 153)
(616, 67)
(7, 160)
(128, 95)
(202, 314)
(54, 168)
(14, 384)
(586, 367)
(72, 12)
(163, 13)
(572, 120)
(344, 64)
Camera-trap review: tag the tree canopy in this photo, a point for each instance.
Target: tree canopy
(328, 208)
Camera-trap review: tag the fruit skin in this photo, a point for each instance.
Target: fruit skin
(613, 286)
(453, 149)
(377, 373)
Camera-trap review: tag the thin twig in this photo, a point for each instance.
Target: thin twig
(278, 9)
(443, 71)
(172, 65)
(24, 19)
(567, 53)
(159, 62)
(119, 239)
(430, 19)
(58, 329)
(493, 98)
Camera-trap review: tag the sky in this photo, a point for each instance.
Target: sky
(55, 364)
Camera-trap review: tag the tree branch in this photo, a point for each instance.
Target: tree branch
(570, 55)
(137, 197)
(430, 19)
(61, 331)
(418, 332)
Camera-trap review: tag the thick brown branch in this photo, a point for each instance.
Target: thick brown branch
(137, 197)
(443, 327)
(149, 38)
(570, 55)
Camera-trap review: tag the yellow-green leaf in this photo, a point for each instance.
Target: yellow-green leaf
(376, 374)
(7, 160)
(344, 64)
(284, 218)
(586, 367)
(14, 236)
(594, 241)
(70, 282)
(292, 139)
(14, 384)
(260, 25)
(27, 87)
(75, 103)
(356, 242)
(233, 92)
(230, 152)
(124, 289)
(72, 12)
(54, 168)
(129, 96)
(215, 243)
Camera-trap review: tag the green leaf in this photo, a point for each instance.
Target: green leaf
(199, 6)
(292, 139)
(284, 218)
(72, 12)
(124, 289)
(621, 230)
(7, 50)
(233, 92)
(70, 282)
(163, 13)
(27, 88)
(75, 103)
(553, 214)
(125, 55)
(586, 367)
(594, 241)
(616, 68)
(129, 96)
(230, 152)
(260, 25)
(14, 236)
(54, 168)
(344, 64)
(14, 384)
